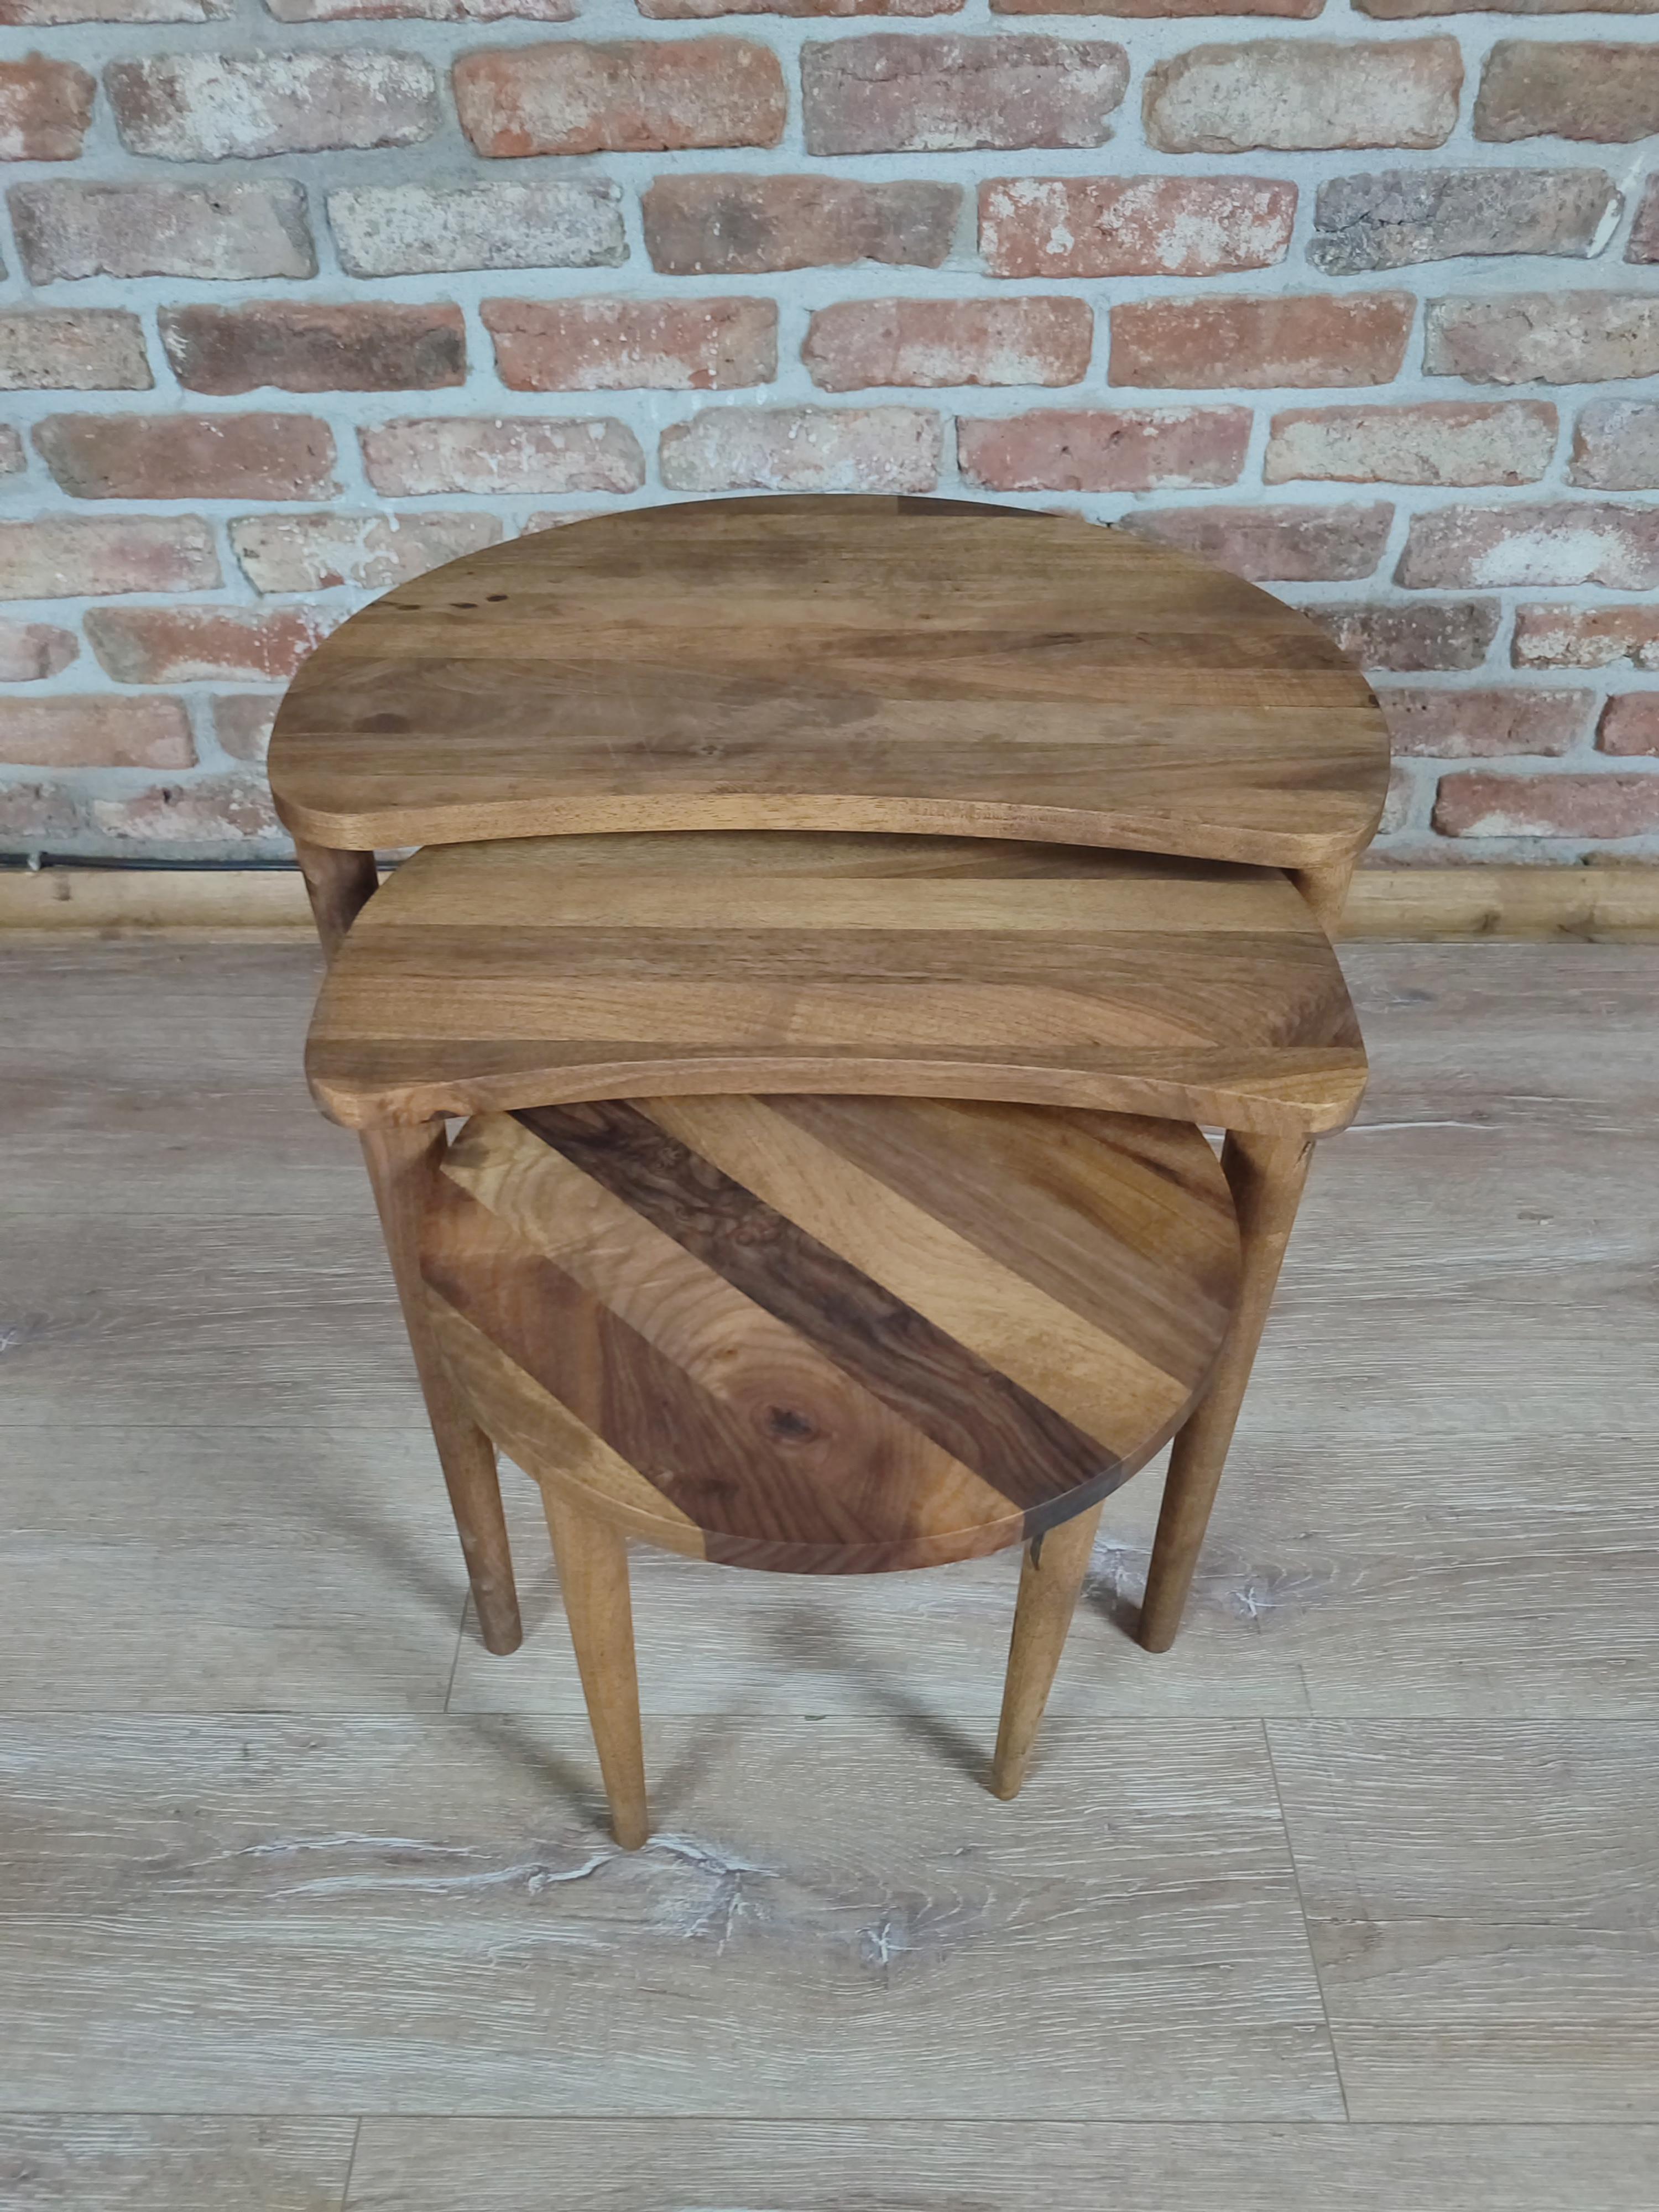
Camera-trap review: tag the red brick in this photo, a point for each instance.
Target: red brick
(370, 552)
(632, 96)
(1477, 803)
(72, 349)
(213, 810)
(242, 722)
(1586, 638)
(216, 107)
(70, 556)
(624, 344)
(300, 347)
(1446, 441)
(44, 12)
(1555, 541)
(190, 456)
(677, 11)
(1553, 337)
(1106, 449)
(200, 645)
(874, 449)
(394, 230)
(501, 456)
(926, 94)
(66, 228)
(44, 109)
(861, 342)
(1615, 447)
(30, 650)
(1644, 231)
(1393, 11)
(1288, 93)
(1473, 725)
(1569, 88)
(741, 226)
(1449, 633)
(429, 11)
(1133, 226)
(1311, 338)
(1304, 8)
(32, 815)
(1630, 723)
(1275, 545)
(1396, 217)
(98, 732)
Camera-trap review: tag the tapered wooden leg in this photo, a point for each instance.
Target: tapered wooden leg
(1050, 1577)
(592, 1561)
(1266, 1176)
(339, 884)
(1326, 891)
(402, 1163)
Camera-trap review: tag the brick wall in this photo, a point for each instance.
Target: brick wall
(302, 298)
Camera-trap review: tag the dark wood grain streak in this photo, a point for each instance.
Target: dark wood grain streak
(1022, 1448)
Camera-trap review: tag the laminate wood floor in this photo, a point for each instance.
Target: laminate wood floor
(1346, 1902)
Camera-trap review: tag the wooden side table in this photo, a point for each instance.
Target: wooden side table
(822, 1335)
(852, 664)
(533, 972)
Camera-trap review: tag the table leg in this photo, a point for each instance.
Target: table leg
(1326, 890)
(339, 884)
(1050, 1577)
(401, 1163)
(592, 1558)
(1266, 1176)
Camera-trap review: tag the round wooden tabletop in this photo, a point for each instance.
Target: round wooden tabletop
(842, 664)
(829, 1335)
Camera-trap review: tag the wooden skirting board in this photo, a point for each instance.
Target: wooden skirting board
(1423, 903)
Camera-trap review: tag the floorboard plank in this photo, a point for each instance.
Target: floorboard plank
(643, 2166)
(52, 2163)
(215, 1569)
(831, 1921)
(1482, 1901)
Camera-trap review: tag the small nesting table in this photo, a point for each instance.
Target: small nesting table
(893, 833)
(825, 1335)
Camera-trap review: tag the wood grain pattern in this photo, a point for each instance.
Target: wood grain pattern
(537, 972)
(474, 1946)
(790, 1409)
(949, 2165)
(847, 664)
(1481, 1901)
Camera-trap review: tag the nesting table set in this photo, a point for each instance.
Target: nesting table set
(834, 918)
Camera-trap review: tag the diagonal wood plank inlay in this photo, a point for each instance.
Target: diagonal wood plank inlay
(632, 1306)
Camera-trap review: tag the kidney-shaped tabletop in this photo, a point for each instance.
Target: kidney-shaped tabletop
(841, 663)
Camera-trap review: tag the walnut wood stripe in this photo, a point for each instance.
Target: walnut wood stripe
(1099, 1380)
(835, 664)
(778, 1386)
(1023, 1448)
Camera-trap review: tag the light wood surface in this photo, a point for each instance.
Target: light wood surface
(849, 664)
(1481, 1903)
(829, 1336)
(535, 971)
(1437, 1532)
